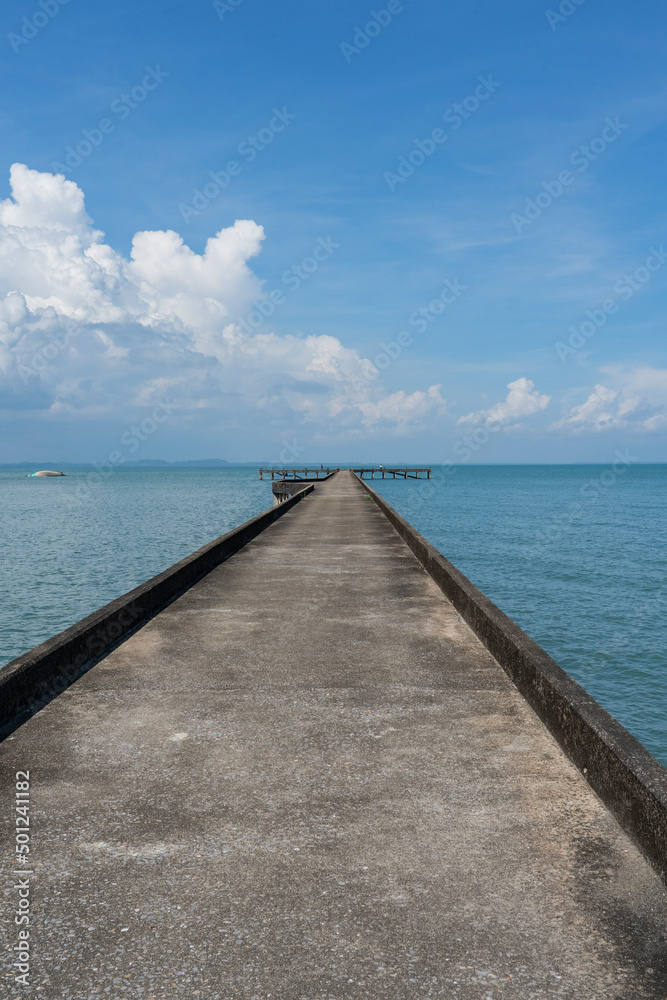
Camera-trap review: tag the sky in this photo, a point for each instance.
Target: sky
(326, 231)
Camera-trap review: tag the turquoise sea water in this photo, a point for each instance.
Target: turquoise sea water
(71, 545)
(575, 554)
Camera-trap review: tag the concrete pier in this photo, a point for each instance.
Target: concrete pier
(308, 778)
(385, 472)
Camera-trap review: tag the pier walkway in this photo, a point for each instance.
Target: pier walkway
(307, 778)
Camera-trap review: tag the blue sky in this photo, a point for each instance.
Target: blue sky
(540, 200)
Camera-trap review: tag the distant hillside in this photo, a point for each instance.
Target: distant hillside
(158, 463)
(145, 463)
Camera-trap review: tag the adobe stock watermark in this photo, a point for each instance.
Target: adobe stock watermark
(122, 107)
(625, 288)
(41, 358)
(419, 320)
(378, 20)
(131, 440)
(31, 26)
(454, 116)
(581, 158)
(23, 913)
(96, 643)
(291, 451)
(223, 7)
(47, 354)
(469, 444)
(653, 607)
(565, 10)
(590, 493)
(292, 278)
(249, 149)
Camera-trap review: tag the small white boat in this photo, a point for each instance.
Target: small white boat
(44, 472)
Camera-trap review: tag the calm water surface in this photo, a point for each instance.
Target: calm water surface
(71, 545)
(575, 556)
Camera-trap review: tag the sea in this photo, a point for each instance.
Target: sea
(575, 554)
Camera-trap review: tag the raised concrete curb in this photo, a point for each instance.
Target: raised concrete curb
(628, 779)
(32, 680)
(283, 488)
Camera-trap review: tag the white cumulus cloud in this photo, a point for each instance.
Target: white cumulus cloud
(635, 405)
(406, 412)
(86, 331)
(522, 400)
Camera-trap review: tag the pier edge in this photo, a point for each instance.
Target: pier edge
(620, 770)
(35, 678)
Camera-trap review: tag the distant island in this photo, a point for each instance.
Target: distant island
(146, 463)
(196, 463)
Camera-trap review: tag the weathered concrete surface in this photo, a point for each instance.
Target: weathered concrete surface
(307, 778)
(628, 779)
(31, 680)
